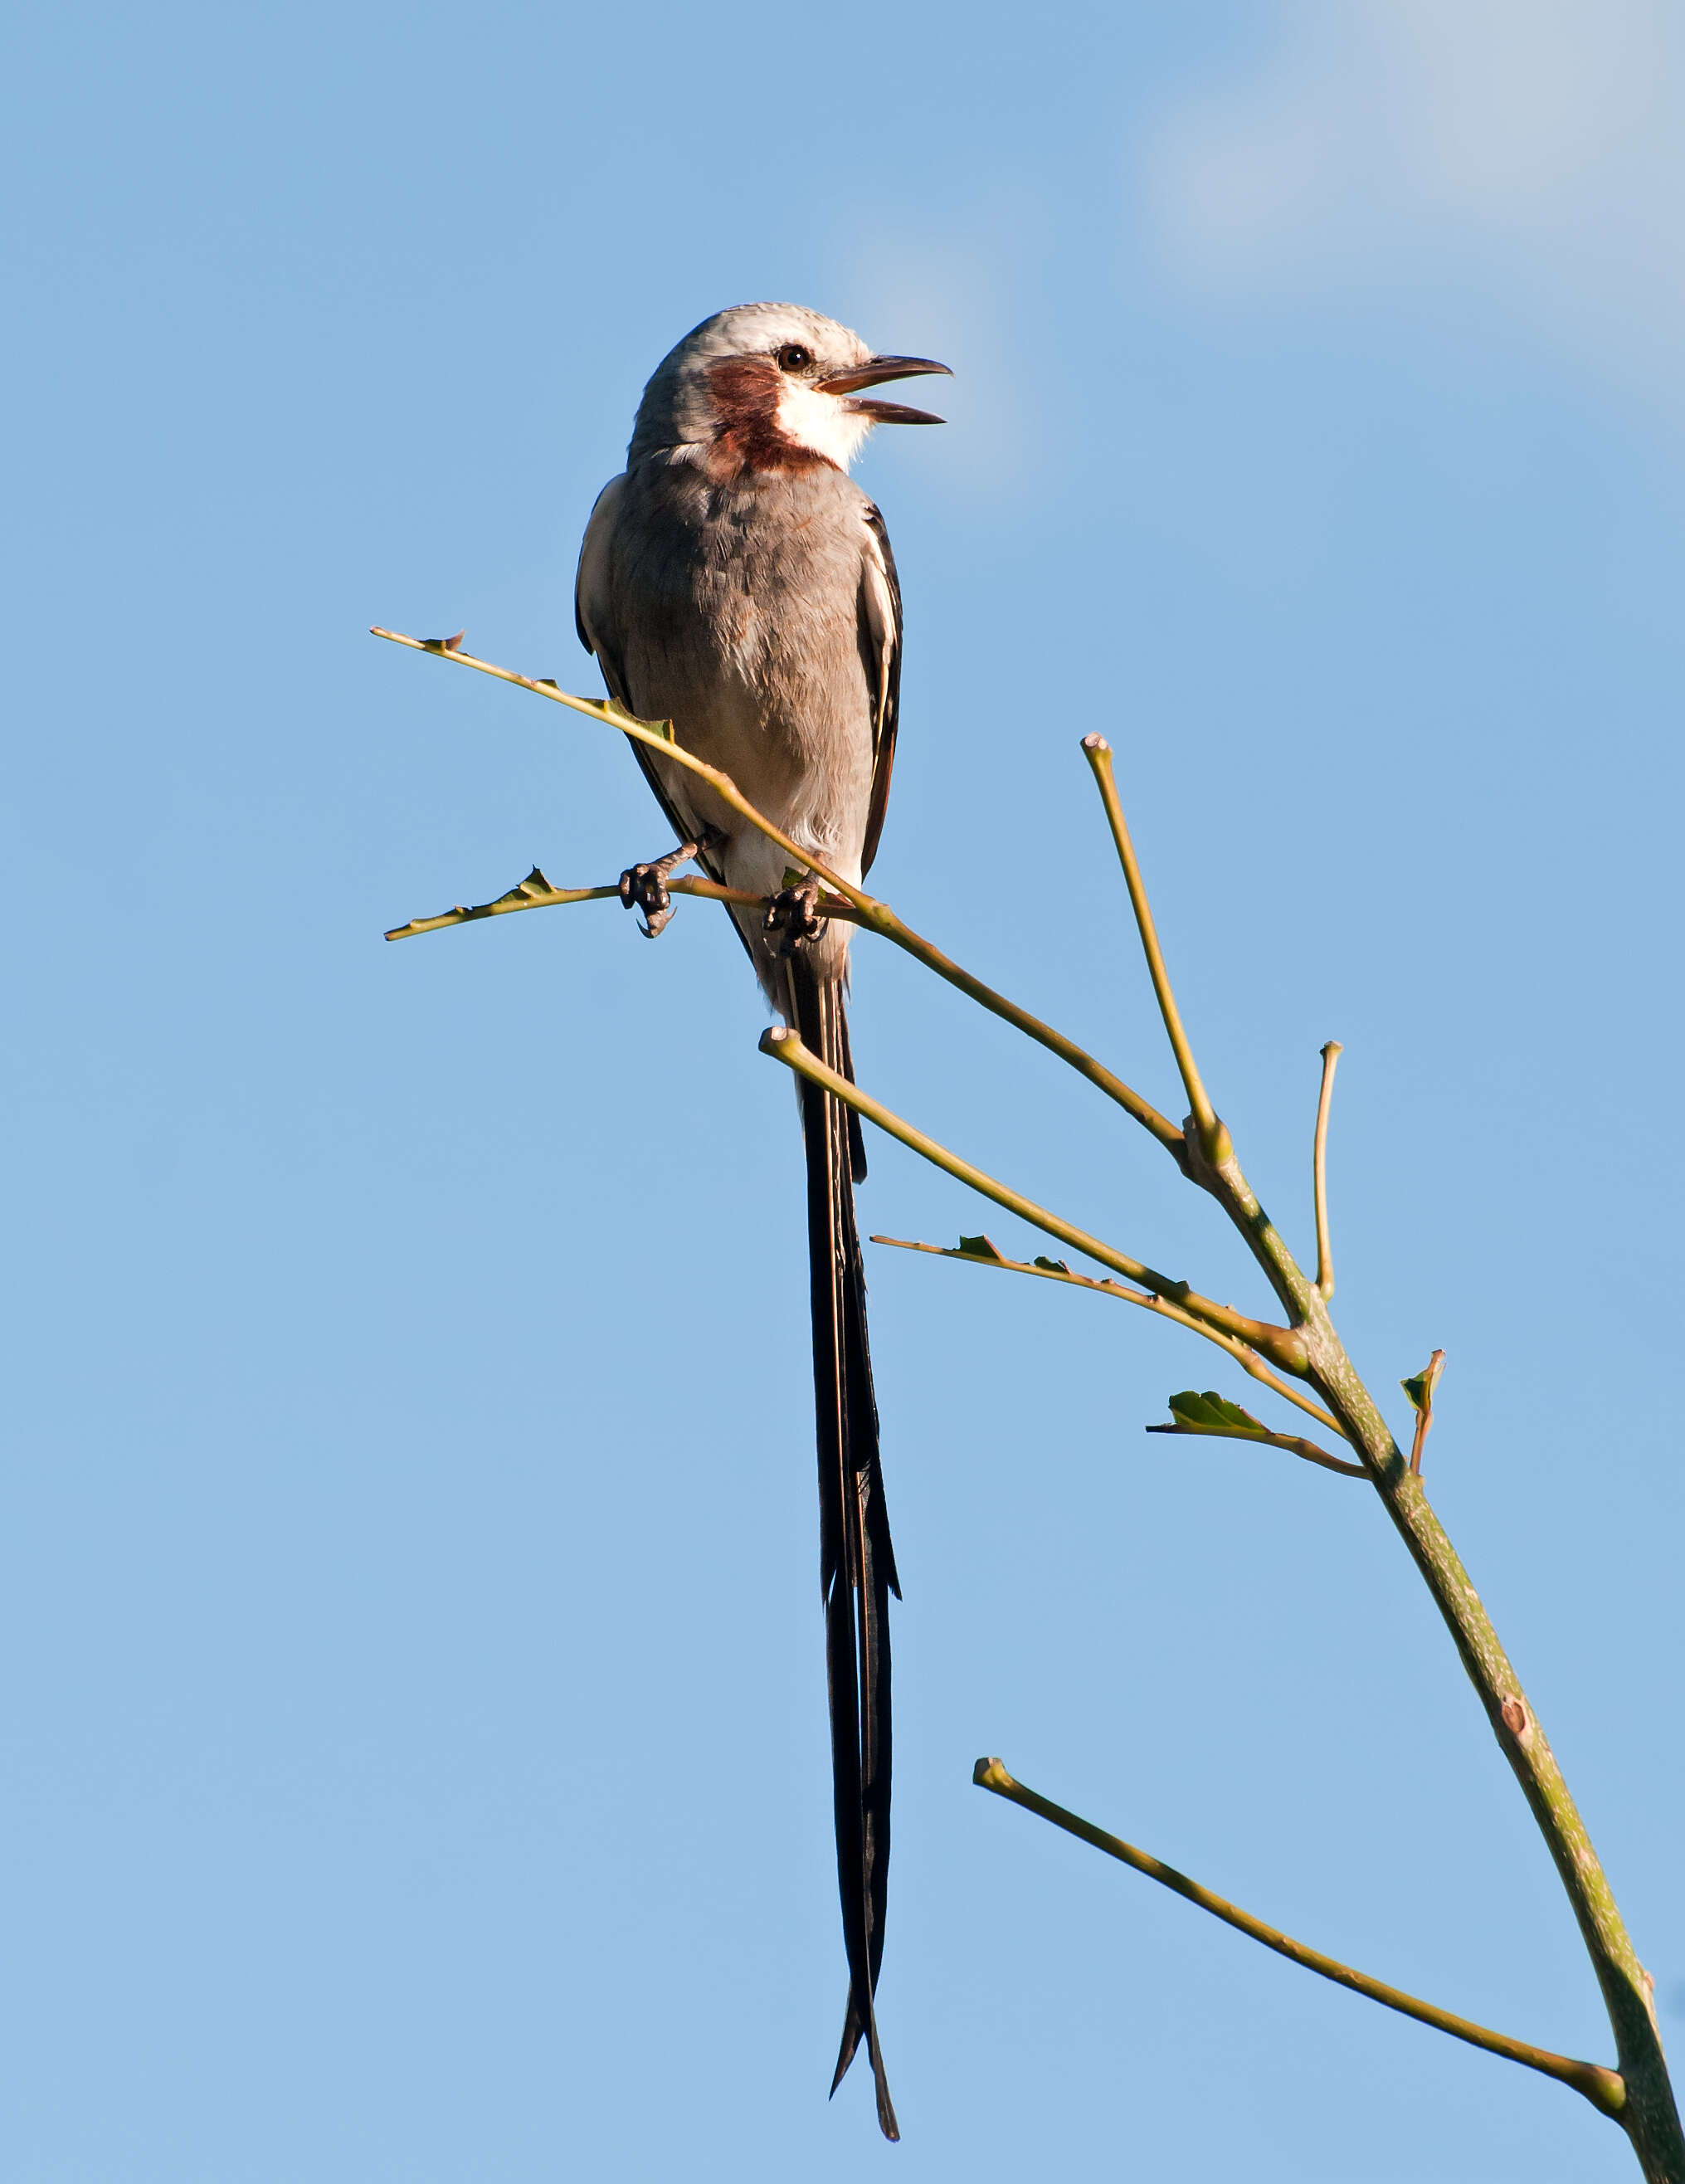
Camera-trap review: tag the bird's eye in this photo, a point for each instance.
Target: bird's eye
(793, 357)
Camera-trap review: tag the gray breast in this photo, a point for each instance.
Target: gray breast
(734, 609)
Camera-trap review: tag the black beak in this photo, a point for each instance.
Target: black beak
(873, 373)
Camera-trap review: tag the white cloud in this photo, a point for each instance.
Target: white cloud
(1539, 144)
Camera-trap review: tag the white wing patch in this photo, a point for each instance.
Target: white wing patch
(880, 601)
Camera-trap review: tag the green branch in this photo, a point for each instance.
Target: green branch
(1604, 2088)
(1649, 2115)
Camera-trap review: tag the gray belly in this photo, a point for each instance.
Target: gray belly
(737, 612)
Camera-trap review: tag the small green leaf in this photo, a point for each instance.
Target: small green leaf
(1200, 1413)
(1420, 1386)
(1051, 1265)
(979, 1247)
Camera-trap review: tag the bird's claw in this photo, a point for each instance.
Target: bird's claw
(644, 888)
(793, 915)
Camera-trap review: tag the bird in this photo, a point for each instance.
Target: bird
(735, 581)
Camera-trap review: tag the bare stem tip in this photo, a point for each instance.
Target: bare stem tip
(1331, 1052)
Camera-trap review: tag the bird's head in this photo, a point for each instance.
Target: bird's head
(769, 387)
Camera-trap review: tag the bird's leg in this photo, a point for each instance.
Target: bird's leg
(794, 915)
(644, 886)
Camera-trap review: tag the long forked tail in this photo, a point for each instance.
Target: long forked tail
(856, 1563)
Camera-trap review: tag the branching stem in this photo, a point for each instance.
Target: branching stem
(1604, 2088)
(1242, 1354)
(1640, 2095)
(1279, 1343)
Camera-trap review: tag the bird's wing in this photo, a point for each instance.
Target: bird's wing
(593, 618)
(879, 622)
(591, 585)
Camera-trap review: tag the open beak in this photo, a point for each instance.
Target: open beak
(873, 373)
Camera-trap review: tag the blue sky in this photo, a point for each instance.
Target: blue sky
(415, 1715)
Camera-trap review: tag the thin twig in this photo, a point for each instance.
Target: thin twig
(884, 921)
(1604, 2088)
(1050, 1270)
(534, 892)
(656, 735)
(1213, 1137)
(1281, 1344)
(1294, 1444)
(875, 915)
(1324, 1253)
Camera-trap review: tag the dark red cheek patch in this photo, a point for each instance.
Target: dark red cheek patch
(746, 430)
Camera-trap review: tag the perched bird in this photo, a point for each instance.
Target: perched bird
(734, 581)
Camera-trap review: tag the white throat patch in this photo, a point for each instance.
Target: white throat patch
(821, 422)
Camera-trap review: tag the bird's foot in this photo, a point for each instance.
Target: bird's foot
(793, 915)
(644, 888)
